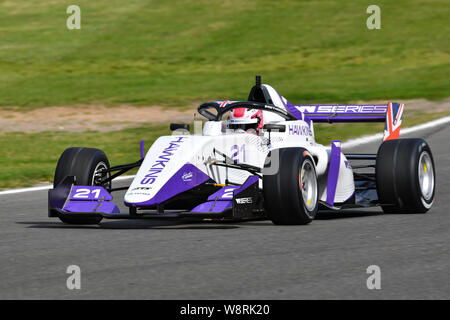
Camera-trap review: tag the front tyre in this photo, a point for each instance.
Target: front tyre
(405, 176)
(291, 193)
(88, 166)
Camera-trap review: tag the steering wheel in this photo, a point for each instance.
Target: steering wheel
(204, 108)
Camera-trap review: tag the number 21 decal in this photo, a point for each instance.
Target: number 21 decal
(238, 153)
(85, 193)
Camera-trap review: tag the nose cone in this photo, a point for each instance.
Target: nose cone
(186, 178)
(167, 170)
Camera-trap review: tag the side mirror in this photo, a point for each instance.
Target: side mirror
(275, 127)
(178, 126)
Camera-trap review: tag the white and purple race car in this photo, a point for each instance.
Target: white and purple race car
(252, 159)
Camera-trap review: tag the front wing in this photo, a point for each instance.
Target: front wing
(230, 202)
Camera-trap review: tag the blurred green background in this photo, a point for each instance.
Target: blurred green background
(177, 52)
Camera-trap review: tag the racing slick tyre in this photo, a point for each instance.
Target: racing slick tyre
(405, 176)
(86, 164)
(290, 193)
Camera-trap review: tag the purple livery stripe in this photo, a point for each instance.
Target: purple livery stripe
(294, 111)
(177, 184)
(142, 149)
(226, 193)
(91, 206)
(249, 182)
(333, 171)
(213, 207)
(222, 199)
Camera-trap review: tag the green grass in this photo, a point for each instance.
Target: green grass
(30, 158)
(178, 52)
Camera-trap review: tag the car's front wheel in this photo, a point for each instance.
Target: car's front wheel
(290, 186)
(88, 166)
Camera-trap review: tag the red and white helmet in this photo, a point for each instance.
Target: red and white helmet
(245, 119)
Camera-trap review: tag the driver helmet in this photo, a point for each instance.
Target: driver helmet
(245, 119)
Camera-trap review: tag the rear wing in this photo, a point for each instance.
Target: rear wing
(390, 114)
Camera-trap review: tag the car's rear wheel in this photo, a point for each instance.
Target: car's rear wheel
(405, 175)
(88, 166)
(291, 192)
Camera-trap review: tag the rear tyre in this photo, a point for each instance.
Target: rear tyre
(291, 194)
(87, 165)
(405, 176)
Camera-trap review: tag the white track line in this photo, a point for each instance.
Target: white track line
(48, 186)
(348, 144)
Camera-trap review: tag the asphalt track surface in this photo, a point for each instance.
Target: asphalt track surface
(160, 259)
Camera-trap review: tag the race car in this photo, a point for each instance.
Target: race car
(254, 159)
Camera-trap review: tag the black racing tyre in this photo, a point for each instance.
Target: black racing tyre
(405, 176)
(85, 165)
(290, 193)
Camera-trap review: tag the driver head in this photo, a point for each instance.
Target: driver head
(245, 119)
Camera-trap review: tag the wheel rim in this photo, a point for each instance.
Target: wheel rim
(99, 174)
(308, 185)
(426, 175)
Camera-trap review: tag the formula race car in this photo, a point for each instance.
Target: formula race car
(252, 159)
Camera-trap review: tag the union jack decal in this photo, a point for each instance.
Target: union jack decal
(393, 121)
(223, 103)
